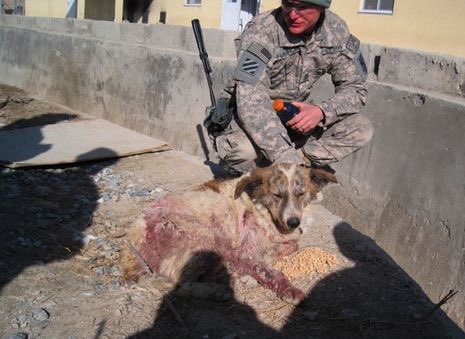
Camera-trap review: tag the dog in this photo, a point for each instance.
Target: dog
(249, 222)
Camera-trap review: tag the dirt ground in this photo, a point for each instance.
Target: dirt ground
(62, 230)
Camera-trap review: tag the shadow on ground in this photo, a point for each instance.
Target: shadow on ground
(43, 211)
(373, 299)
(180, 315)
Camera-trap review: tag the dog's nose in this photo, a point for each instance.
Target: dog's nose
(293, 222)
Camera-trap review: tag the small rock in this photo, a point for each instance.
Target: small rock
(89, 293)
(6, 171)
(108, 270)
(23, 321)
(99, 287)
(40, 314)
(115, 286)
(107, 247)
(87, 239)
(116, 272)
(19, 335)
(104, 197)
(14, 323)
(101, 242)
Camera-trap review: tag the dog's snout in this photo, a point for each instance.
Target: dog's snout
(293, 222)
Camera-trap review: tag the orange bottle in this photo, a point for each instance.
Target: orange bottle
(285, 110)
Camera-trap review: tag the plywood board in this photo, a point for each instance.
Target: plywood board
(72, 142)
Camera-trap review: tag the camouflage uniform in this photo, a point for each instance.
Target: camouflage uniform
(272, 65)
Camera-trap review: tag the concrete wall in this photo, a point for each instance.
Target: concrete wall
(406, 189)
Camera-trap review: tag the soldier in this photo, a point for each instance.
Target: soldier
(281, 54)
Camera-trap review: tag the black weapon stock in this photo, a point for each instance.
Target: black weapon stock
(206, 63)
(219, 114)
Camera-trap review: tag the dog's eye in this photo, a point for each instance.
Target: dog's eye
(278, 195)
(299, 193)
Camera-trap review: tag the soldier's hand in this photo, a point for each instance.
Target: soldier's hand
(308, 118)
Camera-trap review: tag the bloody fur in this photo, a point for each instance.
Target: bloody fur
(245, 221)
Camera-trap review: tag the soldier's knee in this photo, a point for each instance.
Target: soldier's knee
(366, 129)
(359, 128)
(236, 152)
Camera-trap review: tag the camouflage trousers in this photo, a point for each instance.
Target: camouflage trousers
(238, 154)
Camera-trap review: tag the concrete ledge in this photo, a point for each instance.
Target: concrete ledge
(406, 190)
(442, 74)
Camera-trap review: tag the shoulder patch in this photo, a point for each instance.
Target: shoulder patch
(353, 44)
(361, 65)
(260, 52)
(252, 63)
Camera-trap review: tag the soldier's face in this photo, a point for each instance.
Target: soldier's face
(300, 17)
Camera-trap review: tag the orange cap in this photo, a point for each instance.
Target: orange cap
(278, 105)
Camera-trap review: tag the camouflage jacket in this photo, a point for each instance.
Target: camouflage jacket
(272, 64)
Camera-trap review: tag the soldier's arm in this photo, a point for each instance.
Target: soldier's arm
(254, 106)
(348, 73)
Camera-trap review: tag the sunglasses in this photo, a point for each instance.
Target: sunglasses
(288, 6)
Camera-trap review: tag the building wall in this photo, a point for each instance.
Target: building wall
(100, 10)
(425, 25)
(209, 12)
(97, 10)
(267, 5)
(47, 8)
(414, 24)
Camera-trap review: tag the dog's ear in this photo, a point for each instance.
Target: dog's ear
(248, 184)
(321, 177)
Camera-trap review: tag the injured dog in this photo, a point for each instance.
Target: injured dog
(250, 222)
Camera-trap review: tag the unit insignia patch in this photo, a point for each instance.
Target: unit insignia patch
(252, 63)
(353, 44)
(249, 66)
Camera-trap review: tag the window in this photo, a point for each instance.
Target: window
(193, 2)
(377, 6)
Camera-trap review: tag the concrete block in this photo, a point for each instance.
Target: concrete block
(442, 74)
(136, 33)
(82, 27)
(62, 25)
(106, 30)
(41, 23)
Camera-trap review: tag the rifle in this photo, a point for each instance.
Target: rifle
(220, 113)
